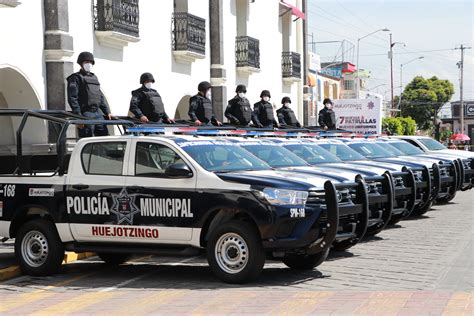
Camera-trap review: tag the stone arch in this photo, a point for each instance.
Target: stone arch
(182, 108)
(17, 92)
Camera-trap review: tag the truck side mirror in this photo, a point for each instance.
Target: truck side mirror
(178, 170)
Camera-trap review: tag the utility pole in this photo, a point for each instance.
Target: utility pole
(391, 74)
(306, 101)
(461, 101)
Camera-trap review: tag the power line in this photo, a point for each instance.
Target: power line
(413, 52)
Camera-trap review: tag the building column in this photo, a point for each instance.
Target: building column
(218, 73)
(58, 47)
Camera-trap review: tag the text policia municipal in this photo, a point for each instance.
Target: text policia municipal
(98, 205)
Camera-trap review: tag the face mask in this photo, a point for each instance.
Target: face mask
(266, 99)
(241, 95)
(148, 85)
(208, 94)
(87, 67)
(287, 105)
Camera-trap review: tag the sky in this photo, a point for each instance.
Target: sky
(431, 29)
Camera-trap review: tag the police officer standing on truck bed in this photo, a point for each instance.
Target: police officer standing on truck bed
(146, 103)
(85, 97)
(262, 115)
(286, 116)
(200, 106)
(238, 110)
(327, 117)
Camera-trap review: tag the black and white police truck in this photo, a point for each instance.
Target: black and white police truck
(123, 195)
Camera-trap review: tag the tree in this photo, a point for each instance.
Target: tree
(422, 99)
(392, 126)
(408, 124)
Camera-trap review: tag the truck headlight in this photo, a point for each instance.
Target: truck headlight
(276, 196)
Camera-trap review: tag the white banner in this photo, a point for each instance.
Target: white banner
(362, 116)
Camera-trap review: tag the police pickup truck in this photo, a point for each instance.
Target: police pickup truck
(123, 195)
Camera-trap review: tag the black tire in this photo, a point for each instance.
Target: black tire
(343, 245)
(374, 230)
(395, 219)
(446, 199)
(305, 262)
(114, 258)
(418, 211)
(244, 250)
(38, 248)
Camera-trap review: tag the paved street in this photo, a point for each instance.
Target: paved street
(423, 266)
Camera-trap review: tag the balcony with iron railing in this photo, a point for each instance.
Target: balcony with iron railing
(247, 54)
(291, 66)
(116, 22)
(189, 37)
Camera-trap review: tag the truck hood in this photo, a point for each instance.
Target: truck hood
(328, 173)
(408, 161)
(457, 153)
(365, 170)
(276, 179)
(390, 166)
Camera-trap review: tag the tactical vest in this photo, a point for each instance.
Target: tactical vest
(155, 101)
(92, 93)
(290, 117)
(266, 114)
(206, 109)
(242, 111)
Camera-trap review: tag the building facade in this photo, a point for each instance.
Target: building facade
(181, 42)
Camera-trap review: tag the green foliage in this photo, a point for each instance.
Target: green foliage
(392, 126)
(445, 135)
(399, 126)
(409, 125)
(422, 99)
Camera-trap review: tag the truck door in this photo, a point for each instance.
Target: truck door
(165, 202)
(95, 199)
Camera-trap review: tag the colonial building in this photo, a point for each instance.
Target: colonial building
(181, 42)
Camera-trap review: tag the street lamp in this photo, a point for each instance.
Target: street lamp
(401, 78)
(390, 55)
(357, 62)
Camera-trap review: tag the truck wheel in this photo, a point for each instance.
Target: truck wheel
(343, 245)
(114, 258)
(418, 211)
(235, 253)
(446, 199)
(38, 248)
(305, 262)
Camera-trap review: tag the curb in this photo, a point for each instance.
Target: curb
(15, 271)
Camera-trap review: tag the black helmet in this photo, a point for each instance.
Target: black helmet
(203, 86)
(327, 100)
(285, 100)
(241, 88)
(265, 93)
(146, 76)
(85, 56)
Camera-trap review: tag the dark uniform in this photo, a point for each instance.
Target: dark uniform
(238, 110)
(200, 107)
(148, 102)
(86, 99)
(286, 116)
(262, 114)
(327, 117)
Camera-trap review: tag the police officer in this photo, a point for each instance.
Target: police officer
(238, 110)
(262, 115)
(286, 116)
(200, 106)
(146, 103)
(327, 117)
(85, 97)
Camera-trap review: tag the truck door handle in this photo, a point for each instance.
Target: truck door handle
(80, 186)
(136, 188)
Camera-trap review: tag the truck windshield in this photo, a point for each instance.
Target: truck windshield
(343, 152)
(371, 150)
(222, 157)
(432, 144)
(389, 148)
(407, 148)
(312, 154)
(275, 155)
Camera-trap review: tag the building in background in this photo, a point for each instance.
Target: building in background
(181, 42)
(453, 118)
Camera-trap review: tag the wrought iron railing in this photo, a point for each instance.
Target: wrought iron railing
(247, 52)
(117, 15)
(291, 65)
(189, 33)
